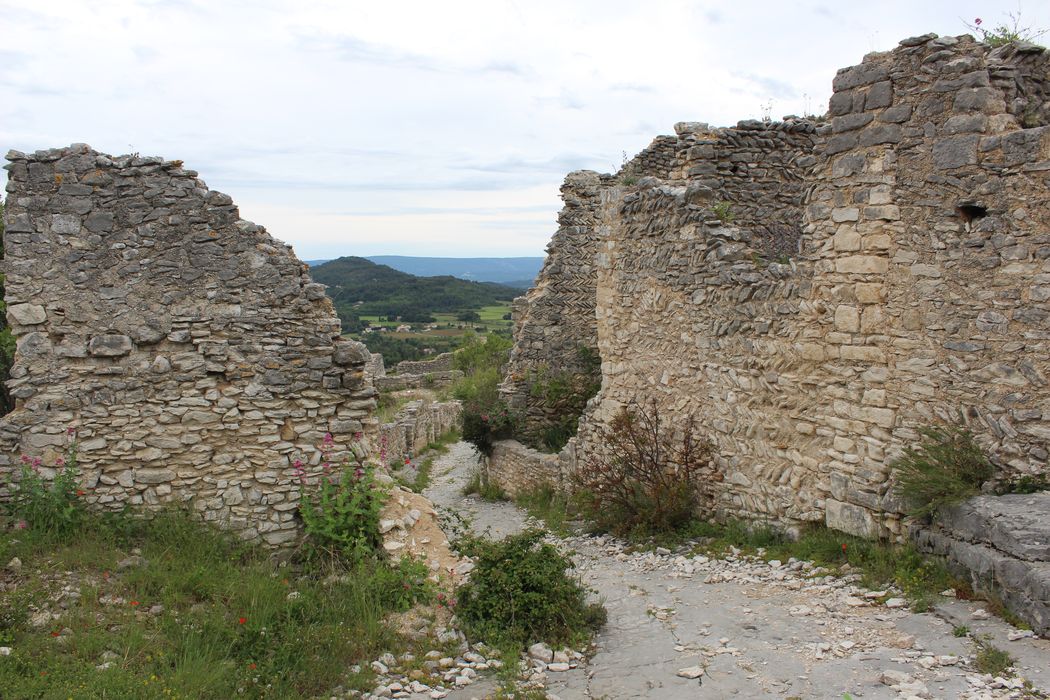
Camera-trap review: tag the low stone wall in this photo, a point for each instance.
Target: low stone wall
(440, 363)
(1001, 546)
(516, 468)
(418, 424)
(431, 380)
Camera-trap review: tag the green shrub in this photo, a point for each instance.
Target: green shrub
(647, 482)
(484, 424)
(343, 515)
(947, 467)
(1025, 483)
(519, 593)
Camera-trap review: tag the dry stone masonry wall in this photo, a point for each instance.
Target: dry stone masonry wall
(813, 292)
(189, 351)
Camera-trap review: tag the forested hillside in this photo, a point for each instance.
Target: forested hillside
(360, 287)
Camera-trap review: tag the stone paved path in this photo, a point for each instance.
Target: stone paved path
(757, 629)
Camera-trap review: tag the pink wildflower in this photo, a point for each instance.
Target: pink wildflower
(26, 460)
(977, 21)
(59, 462)
(328, 439)
(21, 525)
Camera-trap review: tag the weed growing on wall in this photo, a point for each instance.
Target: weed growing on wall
(1006, 32)
(945, 468)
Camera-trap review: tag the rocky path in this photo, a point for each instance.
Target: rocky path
(695, 627)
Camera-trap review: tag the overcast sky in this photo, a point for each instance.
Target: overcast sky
(353, 127)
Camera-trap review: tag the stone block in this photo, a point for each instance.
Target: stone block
(153, 476)
(847, 239)
(850, 519)
(869, 292)
(27, 314)
(65, 224)
(110, 345)
(847, 318)
(862, 265)
(955, 152)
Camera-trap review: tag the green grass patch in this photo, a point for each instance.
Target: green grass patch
(549, 505)
(992, 660)
(201, 615)
(479, 484)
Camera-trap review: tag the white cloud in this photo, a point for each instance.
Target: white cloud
(351, 126)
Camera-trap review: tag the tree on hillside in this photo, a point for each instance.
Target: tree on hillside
(469, 316)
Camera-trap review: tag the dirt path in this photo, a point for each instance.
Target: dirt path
(755, 628)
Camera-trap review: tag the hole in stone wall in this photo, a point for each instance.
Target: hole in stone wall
(971, 212)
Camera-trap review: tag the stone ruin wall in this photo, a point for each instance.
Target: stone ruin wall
(857, 294)
(191, 352)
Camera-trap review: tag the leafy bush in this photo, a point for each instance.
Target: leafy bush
(483, 425)
(486, 417)
(647, 482)
(947, 467)
(343, 515)
(519, 593)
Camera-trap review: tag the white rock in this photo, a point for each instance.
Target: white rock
(558, 667)
(893, 677)
(691, 672)
(5, 651)
(896, 603)
(541, 652)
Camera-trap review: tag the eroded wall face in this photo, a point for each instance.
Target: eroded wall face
(696, 315)
(928, 230)
(190, 353)
(875, 274)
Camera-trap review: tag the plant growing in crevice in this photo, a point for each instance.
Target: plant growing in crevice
(723, 211)
(561, 395)
(1005, 32)
(650, 478)
(946, 467)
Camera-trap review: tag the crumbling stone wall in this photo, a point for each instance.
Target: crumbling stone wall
(190, 352)
(416, 425)
(556, 317)
(882, 270)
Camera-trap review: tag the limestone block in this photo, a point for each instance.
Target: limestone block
(27, 314)
(851, 519)
(862, 265)
(847, 318)
(110, 345)
(869, 292)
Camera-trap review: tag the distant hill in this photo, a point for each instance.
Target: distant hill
(360, 287)
(517, 272)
